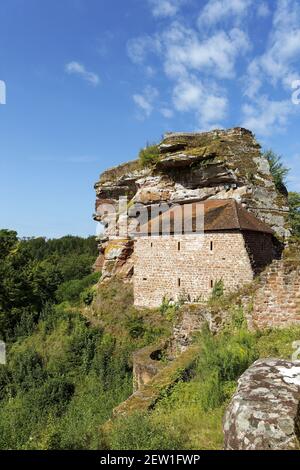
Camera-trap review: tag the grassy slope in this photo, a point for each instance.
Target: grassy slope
(190, 416)
(66, 376)
(63, 380)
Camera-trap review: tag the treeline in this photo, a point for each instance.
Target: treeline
(65, 371)
(34, 272)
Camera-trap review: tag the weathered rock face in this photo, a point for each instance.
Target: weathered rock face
(264, 413)
(194, 167)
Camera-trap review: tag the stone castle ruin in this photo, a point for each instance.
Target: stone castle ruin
(224, 173)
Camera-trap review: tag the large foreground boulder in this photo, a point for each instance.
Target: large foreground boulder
(264, 413)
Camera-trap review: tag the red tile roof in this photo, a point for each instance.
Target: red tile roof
(219, 215)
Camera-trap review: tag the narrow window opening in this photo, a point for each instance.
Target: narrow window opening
(160, 223)
(179, 282)
(211, 246)
(144, 279)
(178, 246)
(211, 284)
(151, 245)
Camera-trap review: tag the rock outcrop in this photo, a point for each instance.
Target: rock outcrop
(191, 167)
(264, 413)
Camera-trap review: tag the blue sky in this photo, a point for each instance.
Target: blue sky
(89, 82)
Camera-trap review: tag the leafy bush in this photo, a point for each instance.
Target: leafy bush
(149, 155)
(28, 370)
(87, 296)
(71, 290)
(218, 290)
(135, 325)
(138, 432)
(54, 395)
(222, 360)
(169, 309)
(294, 205)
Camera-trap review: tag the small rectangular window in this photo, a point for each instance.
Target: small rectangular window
(178, 246)
(151, 245)
(211, 284)
(179, 282)
(144, 279)
(211, 246)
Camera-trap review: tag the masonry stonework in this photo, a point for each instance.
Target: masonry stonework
(276, 302)
(188, 266)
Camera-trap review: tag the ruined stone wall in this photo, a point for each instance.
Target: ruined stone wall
(188, 266)
(276, 303)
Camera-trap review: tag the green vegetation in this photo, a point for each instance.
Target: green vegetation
(294, 204)
(68, 366)
(34, 272)
(149, 155)
(190, 415)
(70, 348)
(218, 289)
(278, 171)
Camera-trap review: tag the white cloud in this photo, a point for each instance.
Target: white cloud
(278, 64)
(185, 54)
(263, 9)
(207, 102)
(216, 11)
(139, 48)
(145, 101)
(181, 49)
(165, 8)
(167, 113)
(184, 50)
(266, 116)
(76, 68)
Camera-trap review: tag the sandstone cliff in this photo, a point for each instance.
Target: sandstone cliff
(190, 167)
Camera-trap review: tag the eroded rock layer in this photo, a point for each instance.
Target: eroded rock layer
(191, 167)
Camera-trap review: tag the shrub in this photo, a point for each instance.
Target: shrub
(71, 290)
(294, 215)
(218, 290)
(28, 369)
(138, 432)
(54, 396)
(135, 326)
(5, 379)
(222, 360)
(169, 309)
(87, 296)
(149, 155)
(278, 170)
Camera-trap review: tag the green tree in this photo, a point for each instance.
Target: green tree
(279, 172)
(294, 205)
